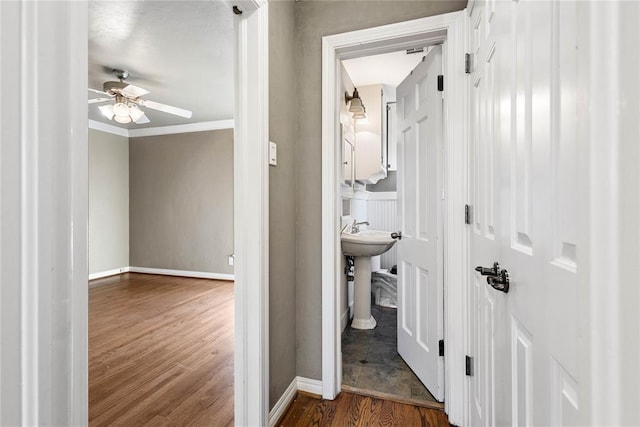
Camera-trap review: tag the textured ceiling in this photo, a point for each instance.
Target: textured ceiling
(180, 51)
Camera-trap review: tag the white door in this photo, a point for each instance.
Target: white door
(524, 195)
(420, 285)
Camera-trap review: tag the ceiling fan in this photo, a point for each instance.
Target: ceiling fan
(126, 108)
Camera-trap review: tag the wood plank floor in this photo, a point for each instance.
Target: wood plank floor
(160, 351)
(350, 409)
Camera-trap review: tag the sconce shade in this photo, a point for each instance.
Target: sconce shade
(360, 115)
(356, 105)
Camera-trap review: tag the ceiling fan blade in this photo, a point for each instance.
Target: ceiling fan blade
(142, 120)
(98, 91)
(96, 100)
(167, 108)
(134, 91)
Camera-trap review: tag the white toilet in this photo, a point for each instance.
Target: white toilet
(384, 285)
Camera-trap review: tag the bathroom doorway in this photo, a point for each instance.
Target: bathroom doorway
(447, 30)
(395, 187)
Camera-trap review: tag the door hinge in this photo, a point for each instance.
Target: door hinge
(467, 63)
(468, 366)
(440, 83)
(441, 348)
(468, 214)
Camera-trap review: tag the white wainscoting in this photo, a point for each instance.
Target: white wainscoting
(382, 215)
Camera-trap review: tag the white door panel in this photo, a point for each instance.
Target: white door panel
(420, 289)
(524, 195)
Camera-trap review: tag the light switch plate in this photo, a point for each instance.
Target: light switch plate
(273, 153)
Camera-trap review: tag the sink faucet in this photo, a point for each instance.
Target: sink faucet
(355, 227)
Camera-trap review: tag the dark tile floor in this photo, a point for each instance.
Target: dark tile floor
(370, 360)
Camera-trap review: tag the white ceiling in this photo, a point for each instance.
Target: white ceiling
(180, 51)
(387, 68)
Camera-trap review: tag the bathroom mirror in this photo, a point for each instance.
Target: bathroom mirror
(348, 160)
(348, 155)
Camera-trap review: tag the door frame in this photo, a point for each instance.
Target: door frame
(46, 147)
(251, 213)
(453, 28)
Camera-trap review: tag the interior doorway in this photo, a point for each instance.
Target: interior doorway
(46, 304)
(161, 233)
(447, 30)
(393, 183)
(247, 395)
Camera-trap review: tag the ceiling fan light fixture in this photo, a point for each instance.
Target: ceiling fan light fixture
(126, 101)
(135, 113)
(107, 111)
(122, 119)
(120, 109)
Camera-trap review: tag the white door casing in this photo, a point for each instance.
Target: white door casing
(251, 214)
(525, 196)
(420, 252)
(43, 213)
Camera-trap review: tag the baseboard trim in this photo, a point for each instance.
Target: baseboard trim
(298, 384)
(283, 403)
(344, 319)
(309, 385)
(108, 273)
(182, 273)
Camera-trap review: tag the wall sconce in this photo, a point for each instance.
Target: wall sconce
(360, 115)
(356, 105)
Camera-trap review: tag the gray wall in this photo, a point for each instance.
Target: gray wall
(313, 20)
(282, 209)
(181, 201)
(108, 201)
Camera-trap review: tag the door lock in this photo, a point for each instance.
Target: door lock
(493, 271)
(500, 282)
(496, 277)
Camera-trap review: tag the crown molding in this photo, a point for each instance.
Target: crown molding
(105, 127)
(162, 130)
(190, 127)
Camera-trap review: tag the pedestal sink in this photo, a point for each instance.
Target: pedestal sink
(363, 245)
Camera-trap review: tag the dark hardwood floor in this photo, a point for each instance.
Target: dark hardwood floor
(160, 351)
(350, 409)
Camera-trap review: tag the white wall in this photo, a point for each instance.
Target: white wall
(108, 201)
